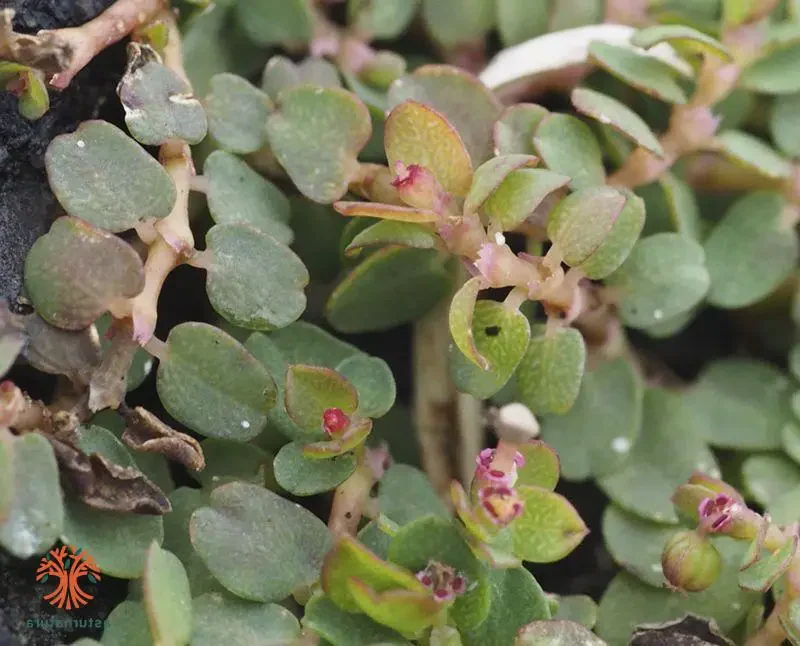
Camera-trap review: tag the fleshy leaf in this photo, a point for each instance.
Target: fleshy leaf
(541, 468)
(349, 559)
(620, 241)
(404, 234)
(513, 131)
(167, 598)
(772, 74)
(382, 19)
(567, 146)
(557, 632)
(408, 612)
(282, 73)
(373, 381)
(500, 335)
(645, 481)
(392, 286)
(210, 383)
(752, 153)
(227, 459)
(35, 512)
(158, 103)
(683, 37)
(462, 309)
(237, 114)
(518, 20)
(284, 539)
(418, 134)
(520, 194)
(609, 111)
(741, 404)
(459, 96)
(239, 195)
(301, 476)
(275, 22)
(254, 281)
(342, 628)
(406, 494)
(783, 124)
(101, 175)
(451, 22)
(646, 73)
(762, 575)
(311, 390)
(610, 404)
(316, 134)
(766, 476)
(219, 618)
(663, 277)
(100, 534)
(516, 600)
(390, 212)
(749, 253)
(490, 176)
(126, 625)
(354, 436)
(75, 272)
(583, 220)
(549, 527)
(549, 375)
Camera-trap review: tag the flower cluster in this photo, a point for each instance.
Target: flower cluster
(444, 581)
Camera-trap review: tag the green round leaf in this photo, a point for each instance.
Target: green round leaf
(451, 22)
(557, 632)
(783, 509)
(254, 281)
(126, 625)
(167, 598)
(282, 73)
(578, 608)
(72, 259)
(316, 135)
(618, 244)
(303, 477)
(774, 73)
(490, 175)
(663, 277)
(393, 232)
(391, 287)
(342, 628)
(410, 613)
(783, 124)
(752, 153)
(101, 175)
(374, 382)
(520, 194)
(681, 36)
(646, 73)
(459, 96)
(219, 618)
(159, 105)
(549, 527)
(567, 146)
(258, 545)
(609, 111)
(549, 375)
(35, 512)
(513, 131)
(741, 404)
(636, 544)
(583, 220)
(500, 335)
(210, 383)
(790, 435)
(769, 475)
(516, 600)
(749, 253)
(406, 494)
(237, 114)
(594, 438)
(418, 134)
(227, 459)
(275, 22)
(239, 195)
(645, 482)
(518, 20)
(117, 542)
(311, 390)
(382, 19)
(541, 468)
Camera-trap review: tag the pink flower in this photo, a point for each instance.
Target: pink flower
(443, 580)
(500, 504)
(716, 514)
(486, 474)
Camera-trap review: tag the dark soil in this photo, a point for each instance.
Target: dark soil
(27, 207)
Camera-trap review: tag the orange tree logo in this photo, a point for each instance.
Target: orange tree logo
(68, 565)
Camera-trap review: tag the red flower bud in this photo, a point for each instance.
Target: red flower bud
(418, 187)
(334, 421)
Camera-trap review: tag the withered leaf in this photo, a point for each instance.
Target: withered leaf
(104, 485)
(145, 432)
(75, 355)
(109, 382)
(688, 631)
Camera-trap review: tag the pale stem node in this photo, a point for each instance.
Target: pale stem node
(350, 499)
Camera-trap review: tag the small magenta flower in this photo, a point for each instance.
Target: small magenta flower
(500, 504)
(334, 421)
(485, 473)
(418, 187)
(716, 514)
(444, 581)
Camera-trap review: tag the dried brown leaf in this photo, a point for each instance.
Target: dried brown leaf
(109, 382)
(146, 433)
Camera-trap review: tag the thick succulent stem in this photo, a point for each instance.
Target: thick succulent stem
(350, 499)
